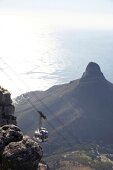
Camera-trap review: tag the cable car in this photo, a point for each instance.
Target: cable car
(41, 134)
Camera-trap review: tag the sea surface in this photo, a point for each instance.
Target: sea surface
(48, 58)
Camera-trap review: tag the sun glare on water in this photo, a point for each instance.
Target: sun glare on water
(30, 55)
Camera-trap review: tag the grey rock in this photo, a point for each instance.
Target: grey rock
(7, 109)
(16, 151)
(23, 155)
(8, 134)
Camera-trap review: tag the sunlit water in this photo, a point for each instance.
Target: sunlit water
(47, 57)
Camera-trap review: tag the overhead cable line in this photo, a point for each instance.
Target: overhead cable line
(35, 109)
(38, 99)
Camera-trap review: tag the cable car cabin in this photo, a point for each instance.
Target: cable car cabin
(41, 135)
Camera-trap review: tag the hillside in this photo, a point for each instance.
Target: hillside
(78, 112)
(80, 160)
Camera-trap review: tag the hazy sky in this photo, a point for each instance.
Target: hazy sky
(66, 5)
(72, 13)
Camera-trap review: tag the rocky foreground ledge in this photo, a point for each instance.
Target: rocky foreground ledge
(18, 151)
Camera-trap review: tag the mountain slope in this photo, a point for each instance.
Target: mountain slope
(80, 111)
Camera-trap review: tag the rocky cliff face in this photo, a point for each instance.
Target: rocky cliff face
(6, 108)
(18, 151)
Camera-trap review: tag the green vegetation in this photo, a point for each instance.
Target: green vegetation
(78, 158)
(98, 165)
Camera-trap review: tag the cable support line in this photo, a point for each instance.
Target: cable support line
(35, 109)
(49, 95)
(52, 125)
(69, 133)
(37, 98)
(40, 100)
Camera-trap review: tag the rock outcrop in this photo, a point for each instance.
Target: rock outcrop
(6, 108)
(92, 72)
(8, 134)
(18, 151)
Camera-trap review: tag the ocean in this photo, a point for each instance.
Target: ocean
(48, 58)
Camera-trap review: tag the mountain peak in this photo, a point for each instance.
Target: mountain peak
(93, 68)
(93, 71)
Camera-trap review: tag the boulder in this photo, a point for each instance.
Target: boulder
(8, 134)
(18, 151)
(23, 155)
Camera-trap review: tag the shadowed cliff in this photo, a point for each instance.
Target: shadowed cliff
(80, 111)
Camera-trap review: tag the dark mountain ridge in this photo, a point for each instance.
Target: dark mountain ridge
(80, 111)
